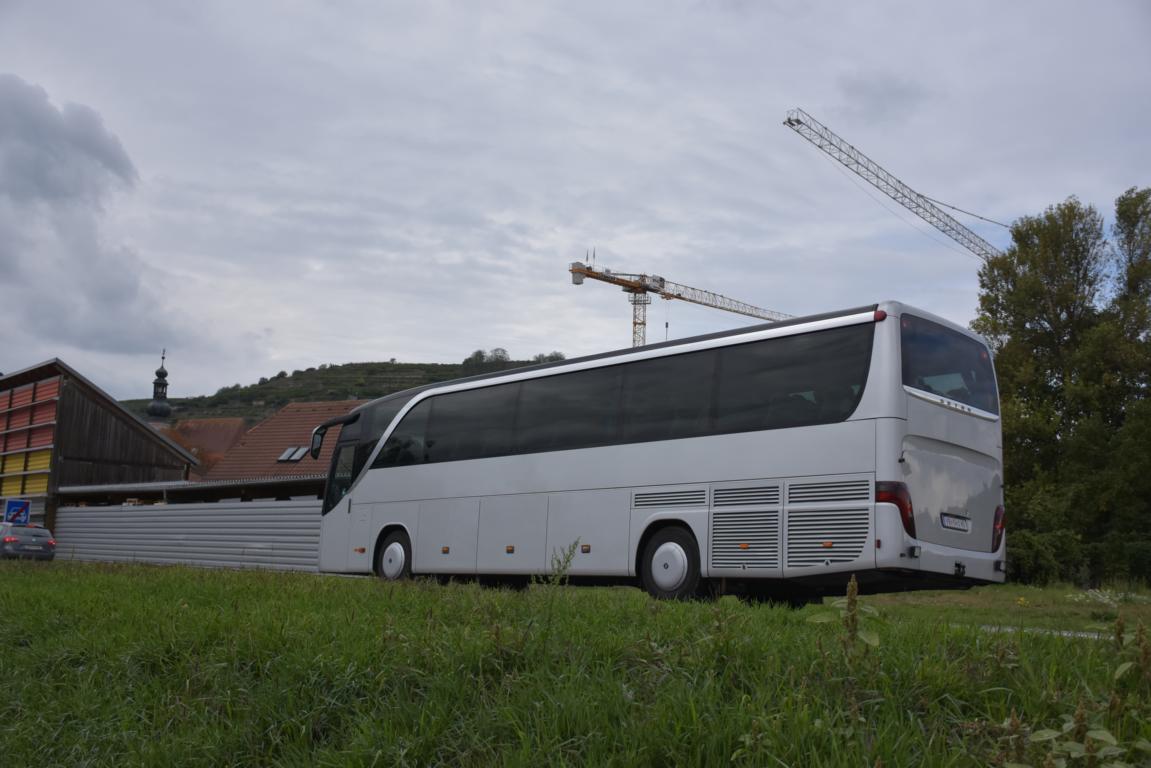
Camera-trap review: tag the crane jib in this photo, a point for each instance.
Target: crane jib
(639, 285)
(873, 173)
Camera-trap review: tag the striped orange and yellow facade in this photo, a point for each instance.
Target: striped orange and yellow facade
(27, 437)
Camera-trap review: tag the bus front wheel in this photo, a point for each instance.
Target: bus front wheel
(669, 569)
(394, 557)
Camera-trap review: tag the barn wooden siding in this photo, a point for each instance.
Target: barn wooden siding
(97, 444)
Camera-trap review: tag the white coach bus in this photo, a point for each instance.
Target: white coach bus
(774, 459)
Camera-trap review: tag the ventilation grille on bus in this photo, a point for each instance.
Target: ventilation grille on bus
(744, 539)
(746, 497)
(847, 490)
(696, 498)
(823, 537)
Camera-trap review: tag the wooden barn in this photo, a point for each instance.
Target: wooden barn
(57, 429)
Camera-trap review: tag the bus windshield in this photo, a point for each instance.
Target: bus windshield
(940, 361)
(359, 434)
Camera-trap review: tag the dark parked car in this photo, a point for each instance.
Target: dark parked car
(31, 541)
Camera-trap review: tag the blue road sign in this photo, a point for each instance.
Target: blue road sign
(17, 511)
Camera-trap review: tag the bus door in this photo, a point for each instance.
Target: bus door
(335, 525)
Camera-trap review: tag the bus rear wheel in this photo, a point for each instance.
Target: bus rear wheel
(394, 557)
(669, 568)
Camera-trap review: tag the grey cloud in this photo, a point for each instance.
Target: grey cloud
(52, 155)
(878, 97)
(71, 289)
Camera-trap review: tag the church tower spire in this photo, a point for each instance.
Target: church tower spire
(159, 408)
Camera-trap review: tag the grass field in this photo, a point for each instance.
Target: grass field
(135, 665)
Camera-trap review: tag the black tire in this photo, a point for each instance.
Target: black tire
(656, 585)
(384, 561)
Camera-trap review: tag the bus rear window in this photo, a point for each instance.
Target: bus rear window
(940, 361)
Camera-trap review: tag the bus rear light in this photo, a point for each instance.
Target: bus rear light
(891, 492)
(998, 528)
(880, 315)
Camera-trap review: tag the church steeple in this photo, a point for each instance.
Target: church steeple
(159, 408)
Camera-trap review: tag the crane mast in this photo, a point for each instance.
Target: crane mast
(639, 287)
(839, 149)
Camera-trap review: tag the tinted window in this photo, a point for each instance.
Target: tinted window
(371, 425)
(377, 418)
(940, 361)
(813, 378)
(574, 410)
(407, 444)
(473, 424)
(668, 397)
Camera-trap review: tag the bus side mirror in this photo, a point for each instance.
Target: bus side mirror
(317, 442)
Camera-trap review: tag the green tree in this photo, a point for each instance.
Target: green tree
(1068, 316)
(1132, 234)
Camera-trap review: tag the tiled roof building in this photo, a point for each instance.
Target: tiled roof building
(207, 439)
(277, 447)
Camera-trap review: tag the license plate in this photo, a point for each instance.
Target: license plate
(34, 546)
(956, 523)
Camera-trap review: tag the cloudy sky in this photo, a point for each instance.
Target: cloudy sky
(261, 186)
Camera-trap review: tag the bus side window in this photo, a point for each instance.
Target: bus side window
(573, 410)
(794, 381)
(473, 424)
(668, 398)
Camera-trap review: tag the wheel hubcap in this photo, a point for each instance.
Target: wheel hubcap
(394, 560)
(669, 566)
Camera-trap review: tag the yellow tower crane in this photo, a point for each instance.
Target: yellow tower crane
(638, 288)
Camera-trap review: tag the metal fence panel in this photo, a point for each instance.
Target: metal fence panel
(282, 535)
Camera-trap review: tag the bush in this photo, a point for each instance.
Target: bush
(1043, 558)
(1117, 560)
(1139, 561)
